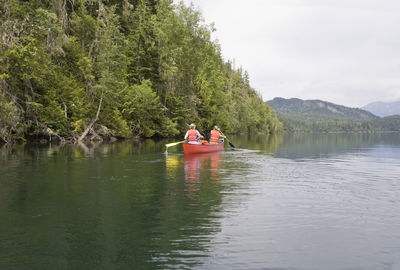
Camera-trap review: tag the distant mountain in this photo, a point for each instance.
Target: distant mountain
(320, 116)
(383, 108)
(318, 109)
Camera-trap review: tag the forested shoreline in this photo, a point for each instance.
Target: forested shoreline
(91, 69)
(298, 124)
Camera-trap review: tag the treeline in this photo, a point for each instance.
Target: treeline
(92, 68)
(293, 124)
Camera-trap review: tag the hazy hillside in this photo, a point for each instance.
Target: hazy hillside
(317, 109)
(320, 116)
(388, 123)
(383, 108)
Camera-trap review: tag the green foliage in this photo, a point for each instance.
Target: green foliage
(9, 120)
(144, 114)
(118, 68)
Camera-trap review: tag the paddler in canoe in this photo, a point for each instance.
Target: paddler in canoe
(193, 136)
(193, 144)
(196, 146)
(216, 135)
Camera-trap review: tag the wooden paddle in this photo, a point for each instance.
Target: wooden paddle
(173, 144)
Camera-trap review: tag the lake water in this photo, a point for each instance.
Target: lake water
(275, 202)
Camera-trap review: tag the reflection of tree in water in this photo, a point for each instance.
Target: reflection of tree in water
(303, 145)
(268, 143)
(106, 206)
(313, 145)
(124, 205)
(193, 182)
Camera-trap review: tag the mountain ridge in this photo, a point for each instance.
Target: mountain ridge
(299, 115)
(320, 108)
(382, 108)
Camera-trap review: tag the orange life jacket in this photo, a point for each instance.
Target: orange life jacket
(192, 135)
(214, 136)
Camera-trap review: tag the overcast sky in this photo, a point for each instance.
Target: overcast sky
(342, 51)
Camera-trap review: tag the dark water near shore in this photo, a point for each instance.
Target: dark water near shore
(276, 202)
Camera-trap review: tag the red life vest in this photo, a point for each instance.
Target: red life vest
(214, 136)
(192, 135)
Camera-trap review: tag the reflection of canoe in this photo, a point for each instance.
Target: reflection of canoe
(202, 148)
(202, 164)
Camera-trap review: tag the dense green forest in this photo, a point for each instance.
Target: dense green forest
(320, 116)
(96, 68)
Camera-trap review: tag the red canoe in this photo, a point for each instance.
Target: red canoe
(202, 148)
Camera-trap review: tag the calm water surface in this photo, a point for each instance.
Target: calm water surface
(276, 202)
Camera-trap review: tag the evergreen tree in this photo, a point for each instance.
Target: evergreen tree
(125, 68)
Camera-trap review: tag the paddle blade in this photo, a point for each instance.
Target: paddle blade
(231, 144)
(173, 144)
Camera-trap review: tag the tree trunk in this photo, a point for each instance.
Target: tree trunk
(65, 110)
(4, 140)
(95, 135)
(94, 119)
